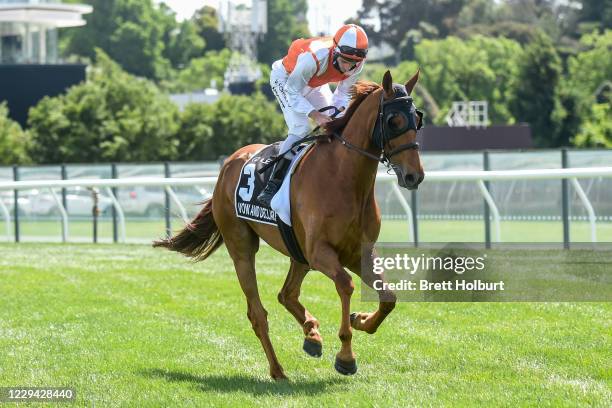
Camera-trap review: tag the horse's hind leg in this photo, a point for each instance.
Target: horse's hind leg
(242, 244)
(289, 297)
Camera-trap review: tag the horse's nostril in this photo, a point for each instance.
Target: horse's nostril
(409, 178)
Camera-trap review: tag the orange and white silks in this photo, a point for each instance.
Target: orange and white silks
(314, 46)
(300, 82)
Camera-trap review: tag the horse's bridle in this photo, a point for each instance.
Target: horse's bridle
(383, 132)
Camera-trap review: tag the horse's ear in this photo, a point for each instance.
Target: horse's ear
(412, 82)
(388, 85)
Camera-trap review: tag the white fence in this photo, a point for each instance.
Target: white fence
(478, 177)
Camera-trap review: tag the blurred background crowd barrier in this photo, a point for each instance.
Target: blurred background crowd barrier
(530, 210)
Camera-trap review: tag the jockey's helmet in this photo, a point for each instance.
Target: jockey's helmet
(351, 42)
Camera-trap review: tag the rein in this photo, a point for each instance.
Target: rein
(382, 133)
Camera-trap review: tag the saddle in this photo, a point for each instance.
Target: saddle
(251, 182)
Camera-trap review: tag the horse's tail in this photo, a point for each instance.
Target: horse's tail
(199, 239)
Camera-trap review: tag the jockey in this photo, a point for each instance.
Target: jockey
(300, 83)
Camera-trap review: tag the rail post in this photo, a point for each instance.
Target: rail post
(565, 202)
(167, 174)
(16, 204)
(114, 175)
(486, 165)
(414, 203)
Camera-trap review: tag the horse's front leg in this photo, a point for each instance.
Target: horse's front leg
(369, 322)
(325, 259)
(289, 297)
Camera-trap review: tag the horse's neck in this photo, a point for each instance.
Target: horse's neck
(358, 169)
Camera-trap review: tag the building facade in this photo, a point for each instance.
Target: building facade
(29, 65)
(28, 29)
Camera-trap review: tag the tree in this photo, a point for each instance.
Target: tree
(595, 14)
(182, 41)
(398, 20)
(113, 116)
(201, 73)
(14, 141)
(206, 22)
(535, 98)
(522, 33)
(286, 22)
(131, 32)
(477, 69)
(195, 134)
(210, 131)
(597, 127)
(590, 68)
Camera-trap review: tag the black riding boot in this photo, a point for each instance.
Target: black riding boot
(275, 181)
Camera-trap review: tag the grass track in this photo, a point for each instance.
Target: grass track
(392, 230)
(130, 326)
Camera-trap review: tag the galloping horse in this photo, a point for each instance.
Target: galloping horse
(334, 215)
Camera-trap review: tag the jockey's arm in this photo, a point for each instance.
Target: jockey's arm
(305, 69)
(342, 94)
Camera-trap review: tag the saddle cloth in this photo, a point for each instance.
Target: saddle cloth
(251, 183)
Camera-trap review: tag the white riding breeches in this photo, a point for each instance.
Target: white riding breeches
(298, 123)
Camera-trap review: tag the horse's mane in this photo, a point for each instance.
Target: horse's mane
(359, 92)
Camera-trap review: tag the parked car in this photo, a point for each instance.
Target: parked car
(150, 201)
(8, 199)
(79, 201)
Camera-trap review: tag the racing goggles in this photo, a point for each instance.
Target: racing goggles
(350, 51)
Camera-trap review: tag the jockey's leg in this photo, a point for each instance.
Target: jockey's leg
(298, 128)
(278, 172)
(298, 125)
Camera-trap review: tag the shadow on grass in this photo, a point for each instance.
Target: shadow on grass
(243, 383)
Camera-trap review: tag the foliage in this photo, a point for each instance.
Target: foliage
(13, 140)
(477, 69)
(404, 22)
(535, 97)
(523, 33)
(597, 127)
(131, 32)
(401, 73)
(210, 131)
(195, 134)
(594, 14)
(206, 23)
(286, 22)
(591, 67)
(201, 72)
(111, 117)
(183, 43)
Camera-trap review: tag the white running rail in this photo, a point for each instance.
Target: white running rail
(479, 177)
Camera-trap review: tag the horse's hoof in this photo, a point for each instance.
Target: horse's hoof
(345, 368)
(279, 378)
(353, 317)
(313, 348)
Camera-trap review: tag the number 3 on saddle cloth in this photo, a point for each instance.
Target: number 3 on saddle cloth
(251, 183)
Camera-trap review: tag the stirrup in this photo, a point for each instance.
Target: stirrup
(265, 197)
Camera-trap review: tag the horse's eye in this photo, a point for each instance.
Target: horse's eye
(394, 120)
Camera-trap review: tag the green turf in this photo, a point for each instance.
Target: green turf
(391, 231)
(134, 327)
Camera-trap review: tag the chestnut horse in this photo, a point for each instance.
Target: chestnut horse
(334, 215)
